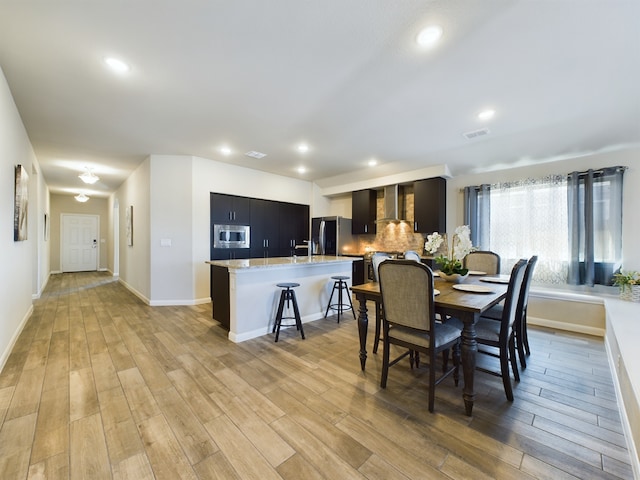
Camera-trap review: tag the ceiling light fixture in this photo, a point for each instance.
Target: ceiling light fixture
(429, 36)
(303, 148)
(81, 197)
(254, 154)
(89, 177)
(486, 114)
(372, 163)
(117, 65)
(226, 151)
(302, 170)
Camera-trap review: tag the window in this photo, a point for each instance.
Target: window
(573, 223)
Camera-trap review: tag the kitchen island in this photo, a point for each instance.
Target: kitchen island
(245, 296)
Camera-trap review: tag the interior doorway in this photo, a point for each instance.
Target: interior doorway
(79, 242)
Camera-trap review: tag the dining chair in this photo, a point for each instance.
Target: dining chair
(376, 259)
(483, 261)
(500, 335)
(409, 321)
(412, 255)
(520, 324)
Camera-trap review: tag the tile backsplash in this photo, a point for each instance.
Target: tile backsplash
(396, 236)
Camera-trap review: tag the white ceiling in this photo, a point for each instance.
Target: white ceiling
(346, 76)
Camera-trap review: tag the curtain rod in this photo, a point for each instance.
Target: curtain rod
(599, 171)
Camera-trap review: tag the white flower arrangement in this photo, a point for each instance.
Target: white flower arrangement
(461, 245)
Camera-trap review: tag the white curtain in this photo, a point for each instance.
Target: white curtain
(529, 217)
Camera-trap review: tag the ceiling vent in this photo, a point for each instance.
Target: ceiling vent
(254, 154)
(476, 133)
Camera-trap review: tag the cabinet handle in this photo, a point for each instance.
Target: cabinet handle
(415, 226)
(366, 228)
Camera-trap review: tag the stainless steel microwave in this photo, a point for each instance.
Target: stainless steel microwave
(231, 236)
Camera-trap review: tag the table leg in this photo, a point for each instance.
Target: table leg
(469, 349)
(363, 325)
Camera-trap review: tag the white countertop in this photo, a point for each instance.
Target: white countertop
(276, 262)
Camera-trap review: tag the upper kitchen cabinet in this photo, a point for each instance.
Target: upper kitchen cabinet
(229, 209)
(363, 212)
(430, 205)
(294, 229)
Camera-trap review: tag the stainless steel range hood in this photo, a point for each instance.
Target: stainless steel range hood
(393, 204)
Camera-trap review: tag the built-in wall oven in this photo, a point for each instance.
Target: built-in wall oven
(231, 236)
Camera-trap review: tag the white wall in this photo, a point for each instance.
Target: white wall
(24, 264)
(171, 221)
(135, 260)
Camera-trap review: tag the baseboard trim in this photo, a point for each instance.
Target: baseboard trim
(569, 327)
(14, 338)
(172, 303)
(134, 291)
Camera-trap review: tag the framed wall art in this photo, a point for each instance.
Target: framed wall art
(129, 224)
(21, 200)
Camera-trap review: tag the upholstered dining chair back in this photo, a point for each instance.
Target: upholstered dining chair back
(407, 294)
(483, 261)
(376, 259)
(412, 255)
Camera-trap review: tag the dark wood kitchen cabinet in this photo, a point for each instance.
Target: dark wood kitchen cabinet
(363, 212)
(265, 232)
(294, 228)
(230, 209)
(430, 205)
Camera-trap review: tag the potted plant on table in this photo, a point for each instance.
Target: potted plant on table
(451, 268)
(629, 284)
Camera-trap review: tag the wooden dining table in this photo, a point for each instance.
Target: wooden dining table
(466, 306)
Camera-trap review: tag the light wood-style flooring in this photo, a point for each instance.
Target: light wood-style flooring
(100, 385)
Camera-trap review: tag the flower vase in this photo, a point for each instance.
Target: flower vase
(453, 278)
(631, 293)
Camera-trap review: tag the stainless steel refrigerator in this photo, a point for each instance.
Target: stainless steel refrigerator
(331, 236)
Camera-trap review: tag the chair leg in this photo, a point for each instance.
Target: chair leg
(504, 370)
(329, 304)
(385, 363)
(525, 338)
(456, 363)
(376, 341)
(512, 358)
(276, 324)
(346, 287)
(445, 360)
(520, 347)
(296, 312)
(432, 385)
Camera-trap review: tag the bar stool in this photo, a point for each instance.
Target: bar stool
(340, 285)
(287, 295)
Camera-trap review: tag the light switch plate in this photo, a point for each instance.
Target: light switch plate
(165, 242)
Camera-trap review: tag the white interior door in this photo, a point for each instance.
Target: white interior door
(79, 243)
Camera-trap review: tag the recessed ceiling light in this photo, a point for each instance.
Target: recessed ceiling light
(225, 151)
(302, 170)
(429, 36)
(372, 163)
(486, 114)
(117, 65)
(303, 148)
